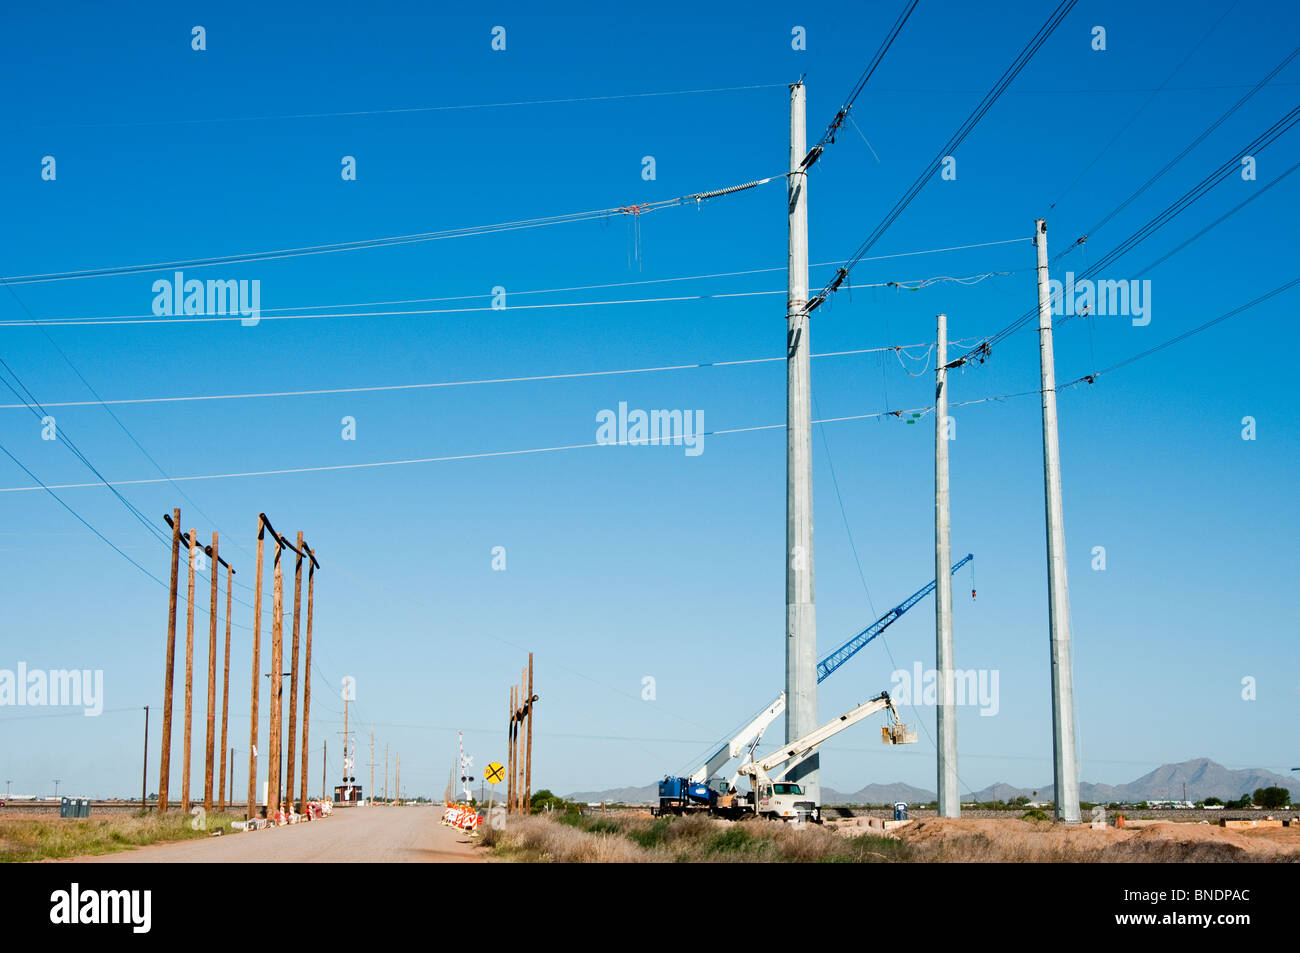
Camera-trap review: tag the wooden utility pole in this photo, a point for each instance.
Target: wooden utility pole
(214, 563)
(372, 765)
(189, 681)
(165, 759)
(257, 674)
(528, 770)
(324, 758)
(225, 701)
(519, 743)
(144, 774)
(510, 755)
(293, 675)
(306, 679)
(276, 763)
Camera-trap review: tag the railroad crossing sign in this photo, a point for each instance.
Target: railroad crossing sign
(495, 773)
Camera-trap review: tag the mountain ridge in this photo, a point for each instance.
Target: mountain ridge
(1202, 776)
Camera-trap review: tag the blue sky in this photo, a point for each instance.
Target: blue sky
(627, 562)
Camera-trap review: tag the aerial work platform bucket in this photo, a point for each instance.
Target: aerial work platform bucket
(897, 734)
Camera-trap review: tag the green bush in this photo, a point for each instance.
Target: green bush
(1272, 797)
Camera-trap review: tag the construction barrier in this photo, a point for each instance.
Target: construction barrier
(461, 816)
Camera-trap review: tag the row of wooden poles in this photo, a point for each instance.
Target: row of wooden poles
(519, 785)
(277, 783)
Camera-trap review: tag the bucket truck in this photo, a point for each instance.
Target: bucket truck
(704, 790)
(701, 791)
(771, 797)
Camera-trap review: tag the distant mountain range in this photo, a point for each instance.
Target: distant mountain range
(1203, 777)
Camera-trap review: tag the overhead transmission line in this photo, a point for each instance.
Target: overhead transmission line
(361, 245)
(916, 284)
(1190, 146)
(828, 137)
(421, 109)
(117, 420)
(1149, 100)
(326, 391)
(1005, 80)
(1090, 378)
(1149, 228)
(24, 394)
(265, 312)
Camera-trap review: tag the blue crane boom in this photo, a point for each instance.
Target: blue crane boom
(850, 648)
(702, 791)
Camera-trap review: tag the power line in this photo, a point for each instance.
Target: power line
(913, 285)
(829, 135)
(419, 109)
(1151, 226)
(117, 420)
(1150, 99)
(1090, 378)
(81, 519)
(1191, 145)
(364, 244)
(108, 319)
(25, 394)
(1006, 79)
(462, 383)
(665, 441)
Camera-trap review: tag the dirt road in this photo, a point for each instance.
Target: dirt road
(389, 835)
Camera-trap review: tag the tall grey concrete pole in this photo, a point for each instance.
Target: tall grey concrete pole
(949, 792)
(800, 609)
(1065, 766)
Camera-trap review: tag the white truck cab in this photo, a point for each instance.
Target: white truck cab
(785, 801)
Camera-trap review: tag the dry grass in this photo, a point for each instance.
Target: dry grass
(41, 838)
(700, 839)
(574, 839)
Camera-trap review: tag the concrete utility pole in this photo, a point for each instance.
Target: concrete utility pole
(324, 758)
(385, 770)
(800, 607)
(165, 759)
(949, 793)
(257, 674)
(189, 681)
(290, 765)
(1065, 766)
(210, 752)
(371, 789)
(397, 782)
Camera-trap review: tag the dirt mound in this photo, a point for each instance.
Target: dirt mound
(949, 839)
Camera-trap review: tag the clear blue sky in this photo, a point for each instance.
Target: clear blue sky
(625, 562)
